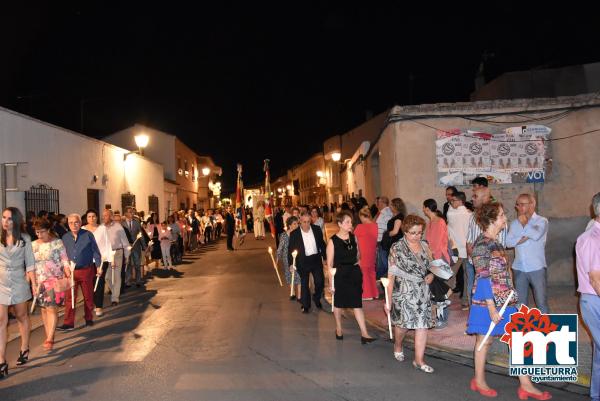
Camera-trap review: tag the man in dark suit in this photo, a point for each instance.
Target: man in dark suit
(134, 228)
(309, 243)
(279, 226)
(230, 228)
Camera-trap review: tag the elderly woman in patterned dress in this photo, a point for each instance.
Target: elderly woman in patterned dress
(52, 271)
(282, 252)
(16, 269)
(409, 280)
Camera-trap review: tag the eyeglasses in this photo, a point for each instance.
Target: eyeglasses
(415, 232)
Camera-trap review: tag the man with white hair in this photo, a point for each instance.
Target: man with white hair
(83, 251)
(588, 277)
(527, 234)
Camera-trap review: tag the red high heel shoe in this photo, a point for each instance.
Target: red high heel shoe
(486, 393)
(523, 395)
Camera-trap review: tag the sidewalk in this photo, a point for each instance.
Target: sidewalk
(452, 339)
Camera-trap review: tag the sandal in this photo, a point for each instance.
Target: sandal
(23, 357)
(423, 368)
(399, 356)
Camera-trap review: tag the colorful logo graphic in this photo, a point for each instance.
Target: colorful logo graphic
(543, 346)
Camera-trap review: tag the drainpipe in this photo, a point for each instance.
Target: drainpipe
(2, 186)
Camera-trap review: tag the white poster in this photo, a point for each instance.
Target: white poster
(476, 152)
(502, 155)
(449, 153)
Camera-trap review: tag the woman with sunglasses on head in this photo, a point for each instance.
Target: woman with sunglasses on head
(409, 280)
(343, 255)
(52, 272)
(17, 266)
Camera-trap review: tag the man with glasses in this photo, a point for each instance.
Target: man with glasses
(527, 234)
(309, 243)
(83, 251)
(450, 191)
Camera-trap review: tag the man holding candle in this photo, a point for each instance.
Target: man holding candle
(120, 246)
(135, 259)
(309, 243)
(82, 251)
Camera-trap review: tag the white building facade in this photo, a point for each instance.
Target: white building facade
(45, 167)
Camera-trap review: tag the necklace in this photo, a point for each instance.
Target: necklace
(348, 242)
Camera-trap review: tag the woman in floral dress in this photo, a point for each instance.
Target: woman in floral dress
(409, 280)
(52, 273)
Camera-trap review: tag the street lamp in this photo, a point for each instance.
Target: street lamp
(320, 174)
(205, 171)
(141, 141)
(336, 156)
(289, 187)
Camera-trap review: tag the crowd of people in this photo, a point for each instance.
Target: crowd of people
(467, 239)
(44, 258)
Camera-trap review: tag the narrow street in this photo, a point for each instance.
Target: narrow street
(223, 329)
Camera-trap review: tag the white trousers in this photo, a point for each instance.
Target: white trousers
(113, 276)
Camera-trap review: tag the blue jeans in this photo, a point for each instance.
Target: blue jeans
(470, 277)
(537, 280)
(381, 268)
(590, 312)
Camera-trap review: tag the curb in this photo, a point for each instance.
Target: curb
(494, 365)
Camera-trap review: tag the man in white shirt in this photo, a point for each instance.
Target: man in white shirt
(458, 225)
(120, 247)
(309, 243)
(384, 215)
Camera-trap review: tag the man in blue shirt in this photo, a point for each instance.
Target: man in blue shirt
(82, 251)
(527, 235)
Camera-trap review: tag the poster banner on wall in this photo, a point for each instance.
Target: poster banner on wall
(502, 155)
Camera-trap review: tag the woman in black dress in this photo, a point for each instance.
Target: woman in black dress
(343, 255)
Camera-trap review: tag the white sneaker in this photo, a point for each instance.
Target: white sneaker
(399, 356)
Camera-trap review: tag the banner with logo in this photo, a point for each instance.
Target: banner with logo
(502, 155)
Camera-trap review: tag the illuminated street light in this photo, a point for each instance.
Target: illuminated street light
(279, 190)
(205, 171)
(289, 187)
(320, 174)
(336, 156)
(141, 141)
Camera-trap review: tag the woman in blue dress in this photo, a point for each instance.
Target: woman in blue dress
(492, 287)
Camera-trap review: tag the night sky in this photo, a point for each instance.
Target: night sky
(246, 82)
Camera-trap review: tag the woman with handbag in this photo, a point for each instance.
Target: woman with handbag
(52, 272)
(409, 279)
(17, 267)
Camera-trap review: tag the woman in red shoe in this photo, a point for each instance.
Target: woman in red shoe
(492, 287)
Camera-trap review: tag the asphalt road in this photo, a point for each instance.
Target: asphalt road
(223, 329)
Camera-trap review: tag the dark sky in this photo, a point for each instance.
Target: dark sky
(243, 82)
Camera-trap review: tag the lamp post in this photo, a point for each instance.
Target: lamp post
(141, 141)
(336, 156)
(205, 171)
